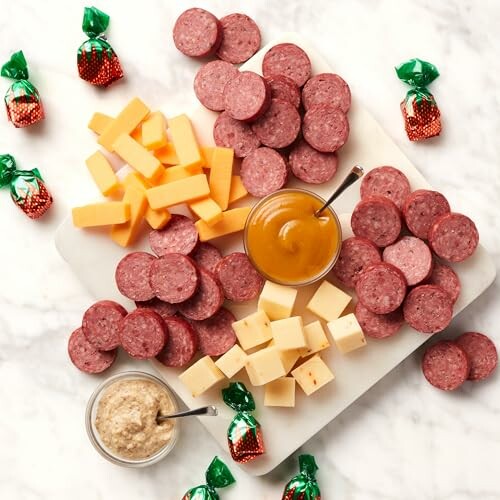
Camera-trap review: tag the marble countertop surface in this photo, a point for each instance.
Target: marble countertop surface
(401, 440)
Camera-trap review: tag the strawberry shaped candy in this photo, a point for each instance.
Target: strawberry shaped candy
(303, 486)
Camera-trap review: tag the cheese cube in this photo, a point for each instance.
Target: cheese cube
(207, 210)
(220, 176)
(277, 300)
(288, 333)
(101, 214)
(328, 302)
(312, 375)
(280, 392)
(288, 358)
(167, 154)
(347, 333)
(238, 190)
(232, 361)
(253, 330)
(177, 192)
(98, 122)
(102, 173)
(207, 154)
(126, 121)
(264, 366)
(231, 222)
(138, 157)
(316, 339)
(201, 376)
(172, 174)
(184, 140)
(154, 131)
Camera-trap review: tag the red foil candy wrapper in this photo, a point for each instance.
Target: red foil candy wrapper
(303, 486)
(97, 62)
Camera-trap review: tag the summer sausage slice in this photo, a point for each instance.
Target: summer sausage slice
(377, 219)
(481, 352)
(207, 256)
(289, 60)
(379, 326)
(143, 334)
(210, 81)
(235, 134)
(453, 237)
(445, 365)
(284, 88)
(132, 276)
(388, 182)
(381, 288)
(101, 324)
(181, 345)
(356, 255)
(428, 309)
(445, 277)
(240, 38)
(326, 88)
(325, 128)
(86, 357)
(164, 309)
(178, 236)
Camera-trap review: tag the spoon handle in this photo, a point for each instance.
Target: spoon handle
(210, 411)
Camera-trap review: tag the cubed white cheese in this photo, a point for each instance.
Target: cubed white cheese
(316, 339)
(277, 300)
(288, 333)
(347, 333)
(288, 358)
(312, 375)
(328, 302)
(232, 361)
(201, 376)
(264, 366)
(253, 330)
(280, 392)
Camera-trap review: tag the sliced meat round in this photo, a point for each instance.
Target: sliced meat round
(197, 33)
(412, 257)
(174, 278)
(356, 255)
(381, 288)
(178, 236)
(284, 88)
(453, 237)
(378, 326)
(86, 357)
(326, 88)
(428, 309)
(235, 134)
(143, 334)
(445, 365)
(101, 324)
(279, 126)
(181, 345)
(210, 81)
(263, 171)
(240, 38)
(445, 277)
(289, 60)
(239, 279)
(164, 309)
(325, 128)
(388, 182)
(310, 165)
(421, 208)
(377, 219)
(216, 335)
(246, 96)
(206, 301)
(207, 256)
(481, 352)
(132, 276)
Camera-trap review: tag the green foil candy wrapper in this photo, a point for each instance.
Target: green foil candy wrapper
(244, 435)
(217, 476)
(97, 62)
(22, 100)
(303, 486)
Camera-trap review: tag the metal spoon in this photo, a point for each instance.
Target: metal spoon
(356, 172)
(209, 411)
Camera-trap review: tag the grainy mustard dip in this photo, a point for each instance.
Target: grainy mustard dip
(126, 418)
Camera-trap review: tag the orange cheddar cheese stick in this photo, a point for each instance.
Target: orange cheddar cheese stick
(231, 222)
(138, 157)
(101, 214)
(207, 210)
(154, 131)
(102, 173)
(220, 176)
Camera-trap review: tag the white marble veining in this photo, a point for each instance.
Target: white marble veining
(403, 439)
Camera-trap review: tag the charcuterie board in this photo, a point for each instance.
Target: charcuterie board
(93, 258)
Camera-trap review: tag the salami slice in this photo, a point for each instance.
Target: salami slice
(481, 352)
(207, 256)
(86, 357)
(246, 96)
(453, 237)
(356, 255)
(284, 88)
(143, 334)
(178, 236)
(263, 172)
(428, 309)
(412, 257)
(235, 134)
(210, 81)
(164, 309)
(132, 276)
(310, 165)
(206, 301)
(325, 128)
(388, 182)
(445, 277)
(445, 365)
(216, 335)
(240, 38)
(197, 33)
(181, 345)
(379, 326)
(174, 278)
(289, 60)
(381, 288)
(101, 324)
(377, 219)
(326, 88)
(420, 210)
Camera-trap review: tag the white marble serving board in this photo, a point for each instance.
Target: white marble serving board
(93, 258)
